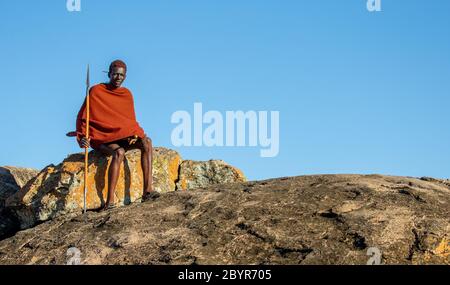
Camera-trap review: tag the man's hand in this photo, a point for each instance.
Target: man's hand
(84, 143)
(132, 140)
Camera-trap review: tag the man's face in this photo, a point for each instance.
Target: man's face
(117, 76)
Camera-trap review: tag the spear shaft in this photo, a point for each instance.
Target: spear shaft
(86, 153)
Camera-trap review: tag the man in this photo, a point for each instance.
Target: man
(114, 130)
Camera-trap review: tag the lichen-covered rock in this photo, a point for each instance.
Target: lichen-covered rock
(59, 190)
(165, 169)
(12, 179)
(17, 175)
(195, 174)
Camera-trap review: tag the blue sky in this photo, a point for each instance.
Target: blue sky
(357, 92)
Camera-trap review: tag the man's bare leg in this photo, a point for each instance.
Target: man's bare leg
(118, 155)
(146, 147)
(147, 164)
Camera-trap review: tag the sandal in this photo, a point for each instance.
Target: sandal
(152, 195)
(108, 207)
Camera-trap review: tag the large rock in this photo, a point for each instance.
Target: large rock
(11, 180)
(195, 174)
(165, 169)
(59, 190)
(323, 219)
(17, 176)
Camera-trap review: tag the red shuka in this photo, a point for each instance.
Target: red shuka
(111, 116)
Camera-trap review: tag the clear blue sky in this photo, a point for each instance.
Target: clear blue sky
(357, 92)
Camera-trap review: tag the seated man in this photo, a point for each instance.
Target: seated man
(114, 130)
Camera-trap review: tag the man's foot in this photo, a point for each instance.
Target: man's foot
(151, 195)
(108, 207)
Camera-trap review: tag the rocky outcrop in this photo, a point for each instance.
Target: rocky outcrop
(322, 219)
(195, 174)
(12, 179)
(59, 190)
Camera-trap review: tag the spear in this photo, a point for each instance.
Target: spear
(86, 153)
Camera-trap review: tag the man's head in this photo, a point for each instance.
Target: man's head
(117, 73)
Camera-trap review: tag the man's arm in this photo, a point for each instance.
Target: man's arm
(80, 132)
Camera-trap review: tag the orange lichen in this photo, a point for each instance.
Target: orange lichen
(183, 184)
(72, 167)
(241, 175)
(443, 249)
(173, 168)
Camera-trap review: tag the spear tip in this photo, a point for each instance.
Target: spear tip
(87, 77)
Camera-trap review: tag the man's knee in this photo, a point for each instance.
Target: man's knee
(119, 154)
(147, 144)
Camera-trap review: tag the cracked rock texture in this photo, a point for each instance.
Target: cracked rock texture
(11, 180)
(320, 219)
(194, 174)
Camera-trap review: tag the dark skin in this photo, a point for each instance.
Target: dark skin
(117, 76)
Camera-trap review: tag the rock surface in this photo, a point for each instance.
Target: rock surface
(59, 190)
(322, 219)
(12, 179)
(195, 174)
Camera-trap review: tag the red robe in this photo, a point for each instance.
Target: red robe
(112, 116)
